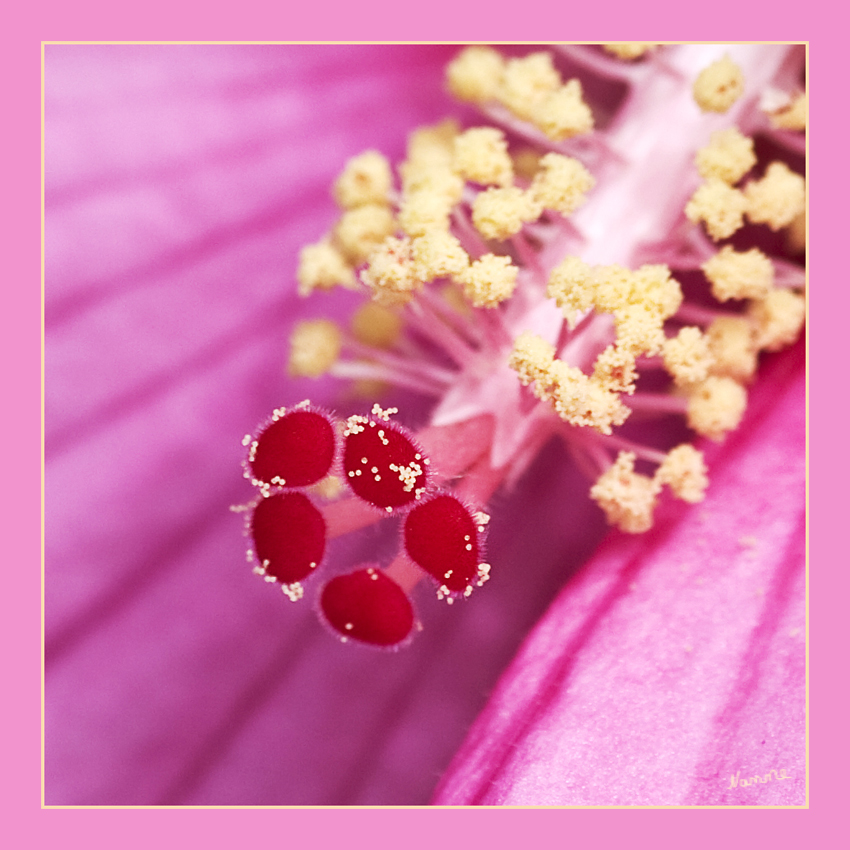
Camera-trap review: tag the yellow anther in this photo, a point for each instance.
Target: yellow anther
(391, 274)
(778, 198)
(561, 183)
(687, 357)
(438, 254)
(571, 284)
(720, 206)
(531, 357)
(778, 318)
(314, 347)
(475, 73)
(614, 370)
(629, 49)
(627, 497)
(739, 274)
(481, 155)
(361, 230)
(718, 86)
(489, 280)
(526, 82)
(376, 325)
(716, 406)
(322, 266)
(563, 113)
(684, 471)
(793, 116)
(728, 156)
(366, 179)
(498, 213)
(732, 345)
(583, 402)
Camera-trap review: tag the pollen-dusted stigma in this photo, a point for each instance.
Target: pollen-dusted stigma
(565, 268)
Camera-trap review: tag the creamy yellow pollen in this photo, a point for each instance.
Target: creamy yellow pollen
(719, 85)
(654, 287)
(640, 300)
(563, 113)
(481, 155)
(499, 213)
(475, 73)
(728, 156)
(629, 49)
(732, 344)
(683, 470)
(314, 347)
(615, 370)
(719, 206)
(793, 116)
(361, 230)
(778, 198)
(571, 285)
(627, 497)
(687, 356)
(424, 211)
(432, 144)
(561, 183)
(391, 274)
(531, 358)
(322, 266)
(376, 325)
(438, 253)
(488, 281)
(739, 274)
(778, 318)
(716, 406)
(583, 402)
(526, 81)
(366, 179)
(640, 329)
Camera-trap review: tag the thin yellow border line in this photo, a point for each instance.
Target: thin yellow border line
(44, 805)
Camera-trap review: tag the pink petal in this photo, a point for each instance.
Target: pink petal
(181, 183)
(675, 661)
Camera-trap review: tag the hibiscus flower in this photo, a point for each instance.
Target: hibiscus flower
(181, 183)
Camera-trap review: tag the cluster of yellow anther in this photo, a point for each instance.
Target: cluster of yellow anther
(530, 87)
(401, 241)
(776, 199)
(629, 498)
(579, 399)
(640, 300)
(708, 368)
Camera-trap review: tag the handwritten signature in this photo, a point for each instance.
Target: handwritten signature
(735, 780)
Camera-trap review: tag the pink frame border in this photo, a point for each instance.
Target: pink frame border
(176, 21)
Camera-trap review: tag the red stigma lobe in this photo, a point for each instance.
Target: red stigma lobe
(382, 465)
(295, 450)
(289, 536)
(368, 606)
(442, 537)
